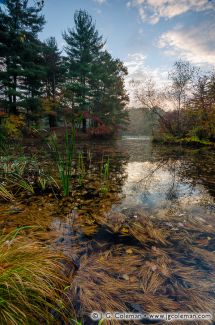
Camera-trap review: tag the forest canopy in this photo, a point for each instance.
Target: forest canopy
(39, 83)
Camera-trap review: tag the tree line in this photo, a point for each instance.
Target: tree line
(37, 80)
(185, 107)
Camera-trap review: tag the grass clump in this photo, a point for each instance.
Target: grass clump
(64, 157)
(105, 174)
(5, 194)
(81, 168)
(31, 282)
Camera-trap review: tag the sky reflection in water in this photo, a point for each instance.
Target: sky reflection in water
(165, 182)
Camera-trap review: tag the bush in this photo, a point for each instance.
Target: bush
(102, 131)
(199, 132)
(13, 126)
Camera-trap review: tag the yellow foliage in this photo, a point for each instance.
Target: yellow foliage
(14, 124)
(49, 105)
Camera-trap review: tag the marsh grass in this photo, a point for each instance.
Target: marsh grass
(25, 185)
(105, 174)
(5, 194)
(23, 174)
(81, 168)
(2, 140)
(90, 157)
(105, 169)
(64, 156)
(31, 282)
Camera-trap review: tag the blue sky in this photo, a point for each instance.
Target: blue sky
(148, 35)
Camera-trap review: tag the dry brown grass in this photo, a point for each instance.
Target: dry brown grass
(31, 282)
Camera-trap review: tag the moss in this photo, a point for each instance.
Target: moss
(192, 141)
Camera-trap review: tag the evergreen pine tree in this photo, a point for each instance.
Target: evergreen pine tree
(54, 78)
(20, 54)
(83, 47)
(110, 97)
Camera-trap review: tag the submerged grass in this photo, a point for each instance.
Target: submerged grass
(31, 282)
(162, 270)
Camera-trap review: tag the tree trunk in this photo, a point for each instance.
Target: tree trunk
(84, 125)
(52, 121)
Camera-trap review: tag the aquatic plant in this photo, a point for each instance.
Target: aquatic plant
(164, 268)
(105, 169)
(64, 156)
(89, 156)
(3, 144)
(46, 181)
(105, 173)
(43, 182)
(11, 165)
(5, 193)
(81, 168)
(31, 281)
(26, 185)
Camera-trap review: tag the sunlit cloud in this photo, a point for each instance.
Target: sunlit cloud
(196, 44)
(138, 70)
(135, 63)
(100, 2)
(153, 10)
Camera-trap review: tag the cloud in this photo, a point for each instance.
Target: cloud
(100, 2)
(135, 63)
(153, 10)
(196, 44)
(139, 71)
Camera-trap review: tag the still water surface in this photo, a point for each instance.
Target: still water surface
(159, 179)
(168, 180)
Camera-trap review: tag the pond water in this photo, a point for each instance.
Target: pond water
(165, 183)
(169, 181)
(159, 179)
(146, 229)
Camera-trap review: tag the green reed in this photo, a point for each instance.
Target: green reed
(105, 174)
(64, 156)
(81, 168)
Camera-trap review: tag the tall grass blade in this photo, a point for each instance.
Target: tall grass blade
(64, 158)
(5, 194)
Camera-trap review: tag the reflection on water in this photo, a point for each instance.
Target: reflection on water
(153, 249)
(157, 187)
(161, 180)
(158, 179)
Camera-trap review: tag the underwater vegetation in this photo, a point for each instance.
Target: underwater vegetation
(128, 264)
(143, 265)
